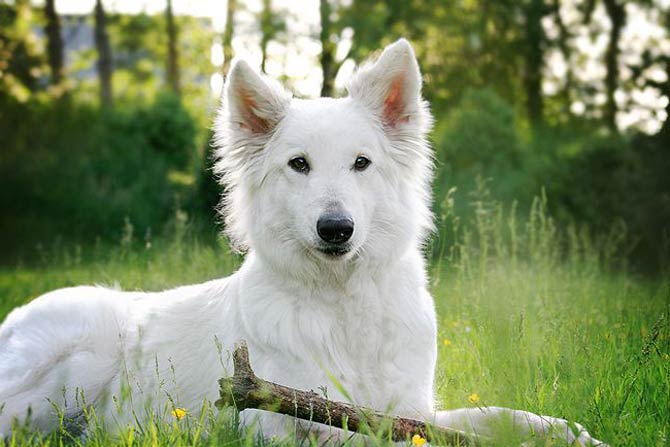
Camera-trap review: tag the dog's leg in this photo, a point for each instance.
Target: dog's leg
(484, 421)
(56, 354)
(273, 426)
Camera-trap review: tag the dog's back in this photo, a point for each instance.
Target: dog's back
(93, 346)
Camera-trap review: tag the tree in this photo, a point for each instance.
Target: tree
(21, 60)
(272, 24)
(616, 13)
(665, 87)
(228, 36)
(267, 31)
(655, 57)
(104, 50)
(330, 29)
(173, 55)
(328, 48)
(534, 39)
(563, 43)
(54, 42)
(479, 44)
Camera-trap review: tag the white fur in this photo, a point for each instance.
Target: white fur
(365, 318)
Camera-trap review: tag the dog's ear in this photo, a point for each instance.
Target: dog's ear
(391, 86)
(253, 104)
(252, 108)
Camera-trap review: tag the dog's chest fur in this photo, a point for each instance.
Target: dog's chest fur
(369, 334)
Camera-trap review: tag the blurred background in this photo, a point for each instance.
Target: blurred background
(106, 105)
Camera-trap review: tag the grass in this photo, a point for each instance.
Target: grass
(531, 316)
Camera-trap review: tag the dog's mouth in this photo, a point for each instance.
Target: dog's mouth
(334, 251)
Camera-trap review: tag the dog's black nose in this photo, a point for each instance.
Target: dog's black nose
(335, 229)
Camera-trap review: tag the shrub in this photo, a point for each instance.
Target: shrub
(479, 139)
(619, 179)
(168, 129)
(75, 172)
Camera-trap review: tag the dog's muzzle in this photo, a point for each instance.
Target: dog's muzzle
(335, 230)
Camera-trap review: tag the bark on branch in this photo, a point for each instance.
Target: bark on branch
(245, 390)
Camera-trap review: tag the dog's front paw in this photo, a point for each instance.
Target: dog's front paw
(572, 433)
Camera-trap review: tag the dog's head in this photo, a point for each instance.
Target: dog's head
(327, 181)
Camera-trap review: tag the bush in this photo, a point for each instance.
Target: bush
(620, 179)
(73, 172)
(204, 198)
(168, 129)
(600, 182)
(478, 156)
(479, 135)
(479, 140)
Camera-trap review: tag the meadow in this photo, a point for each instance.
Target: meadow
(559, 307)
(531, 316)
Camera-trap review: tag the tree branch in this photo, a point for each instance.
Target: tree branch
(245, 390)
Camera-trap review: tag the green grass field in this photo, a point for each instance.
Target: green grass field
(531, 316)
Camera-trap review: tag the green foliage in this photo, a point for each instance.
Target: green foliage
(460, 45)
(480, 134)
(168, 129)
(21, 64)
(620, 179)
(75, 172)
(134, 37)
(478, 145)
(206, 194)
(478, 138)
(595, 180)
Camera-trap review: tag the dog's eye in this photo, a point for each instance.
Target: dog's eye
(361, 163)
(299, 164)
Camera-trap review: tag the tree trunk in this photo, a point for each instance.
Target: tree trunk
(104, 55)
(267, 31)
(665, 90)
(534, 62)
(54, 42)
(328, 48)
(228, 36)
(566, 51)
(173, 56)
(617, 15)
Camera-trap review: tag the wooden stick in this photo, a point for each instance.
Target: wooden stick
(245, 390)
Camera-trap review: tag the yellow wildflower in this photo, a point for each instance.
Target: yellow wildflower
(418, 441)
(473, 398)
(179, 413)
(447, 342)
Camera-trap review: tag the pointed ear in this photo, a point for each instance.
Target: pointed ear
(391, 86)
(252, 108)
(253, 104)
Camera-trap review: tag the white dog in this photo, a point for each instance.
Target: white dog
(330, 199)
